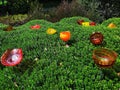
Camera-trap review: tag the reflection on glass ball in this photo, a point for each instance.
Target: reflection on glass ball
(96, 38)
(104, 57)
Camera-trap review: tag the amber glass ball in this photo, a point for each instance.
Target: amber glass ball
(96, 38)
(104, 57)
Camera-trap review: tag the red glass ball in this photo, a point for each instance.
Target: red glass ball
(35, 26)
(92, 23)
(104, 57)
(96, 38)
(12, 57)
(80, 22)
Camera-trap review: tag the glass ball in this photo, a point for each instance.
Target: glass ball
(96, 38)
(104, 57)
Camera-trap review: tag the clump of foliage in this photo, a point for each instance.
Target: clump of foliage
(2, 25)
(36, 10)
(78, 8)
(67, 9)
(48, 64)
(15, 19)
(92, 9)
(97, 10)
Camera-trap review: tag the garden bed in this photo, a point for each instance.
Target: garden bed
(48, 65)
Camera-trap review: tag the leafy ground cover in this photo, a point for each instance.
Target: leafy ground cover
(49, 65)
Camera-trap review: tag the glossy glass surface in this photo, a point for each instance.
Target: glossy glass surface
(104, 57)
(96, 38)
(11, 57)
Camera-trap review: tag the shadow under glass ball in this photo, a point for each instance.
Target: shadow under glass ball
(8, 28)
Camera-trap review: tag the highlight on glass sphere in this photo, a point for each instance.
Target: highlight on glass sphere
(104, 57)
(12, 57)
(96, 38)
(65, 35)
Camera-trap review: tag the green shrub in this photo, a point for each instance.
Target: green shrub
(92, 9)
(36, 10)
(15, 19)
(77, 8)
(49, 65)
(2, 25)
(114, 20)
(66, 9)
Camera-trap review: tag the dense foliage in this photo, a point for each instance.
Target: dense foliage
(110, 8)
(17, 6)
(93, 9)
(96, 10)
(14, 19)
(49, 65)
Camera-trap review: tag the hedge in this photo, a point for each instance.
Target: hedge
(49, 65)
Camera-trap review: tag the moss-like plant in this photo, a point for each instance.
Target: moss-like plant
(41, 68)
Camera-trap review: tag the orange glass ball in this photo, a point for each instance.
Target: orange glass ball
(65, 35)
(112, 25)
(104, 57)
(96, 38)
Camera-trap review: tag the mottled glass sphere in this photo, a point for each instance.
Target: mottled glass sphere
(96, 38)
